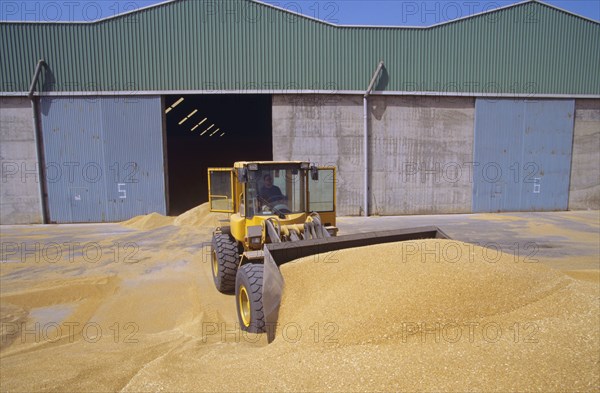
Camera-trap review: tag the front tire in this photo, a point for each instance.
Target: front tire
(225, 259)
(248, 296)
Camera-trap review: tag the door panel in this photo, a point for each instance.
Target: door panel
(322, 191)
(522, 155)
(112, 147)
(220, 190)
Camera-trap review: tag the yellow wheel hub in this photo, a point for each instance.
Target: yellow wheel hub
(215, 264)
(244, 300)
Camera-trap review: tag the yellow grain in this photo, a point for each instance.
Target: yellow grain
(431, 315)
(200, 216)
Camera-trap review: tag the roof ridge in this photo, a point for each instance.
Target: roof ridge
(281, 9)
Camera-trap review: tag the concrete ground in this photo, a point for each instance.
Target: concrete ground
(564, 240)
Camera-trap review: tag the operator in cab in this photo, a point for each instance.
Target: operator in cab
(270, 193)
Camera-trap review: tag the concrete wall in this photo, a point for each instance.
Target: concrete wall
(420, 149)
(325, 130)
(584, 191)
(420, 152)
(19, 192)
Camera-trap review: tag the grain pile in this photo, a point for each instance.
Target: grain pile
(148, 222)
(371, 292)
(431, 315)
(371, 319)
(200, 216)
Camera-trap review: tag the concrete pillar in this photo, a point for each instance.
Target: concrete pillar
(584, 190)
(421, 149)
(19, 192)
(328, 130)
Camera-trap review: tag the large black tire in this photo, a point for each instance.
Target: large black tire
(248, 297)
(225, 259)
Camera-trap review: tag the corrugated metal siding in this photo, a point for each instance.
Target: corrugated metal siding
(241, 45)
(522, 155)
(72, 137)
(104, 158)
(133, 143)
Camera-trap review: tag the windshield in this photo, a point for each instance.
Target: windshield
(275, 190)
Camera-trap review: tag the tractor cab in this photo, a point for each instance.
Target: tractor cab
(272, 201)
(275, 190)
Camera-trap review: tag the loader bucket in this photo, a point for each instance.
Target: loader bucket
(276, 254)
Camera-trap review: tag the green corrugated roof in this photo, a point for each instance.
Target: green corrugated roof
(188, 45)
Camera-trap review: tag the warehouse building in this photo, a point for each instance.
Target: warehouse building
(101, 121)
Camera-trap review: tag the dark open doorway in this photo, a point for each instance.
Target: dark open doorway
(212, 131)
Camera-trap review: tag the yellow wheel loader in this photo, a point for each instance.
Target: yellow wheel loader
(278, 212)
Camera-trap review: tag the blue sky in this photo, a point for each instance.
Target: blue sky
(352, 12)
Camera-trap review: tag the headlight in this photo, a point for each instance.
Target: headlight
(255, 240)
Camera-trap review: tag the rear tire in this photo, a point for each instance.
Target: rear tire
(225, 259)
(248, 297)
